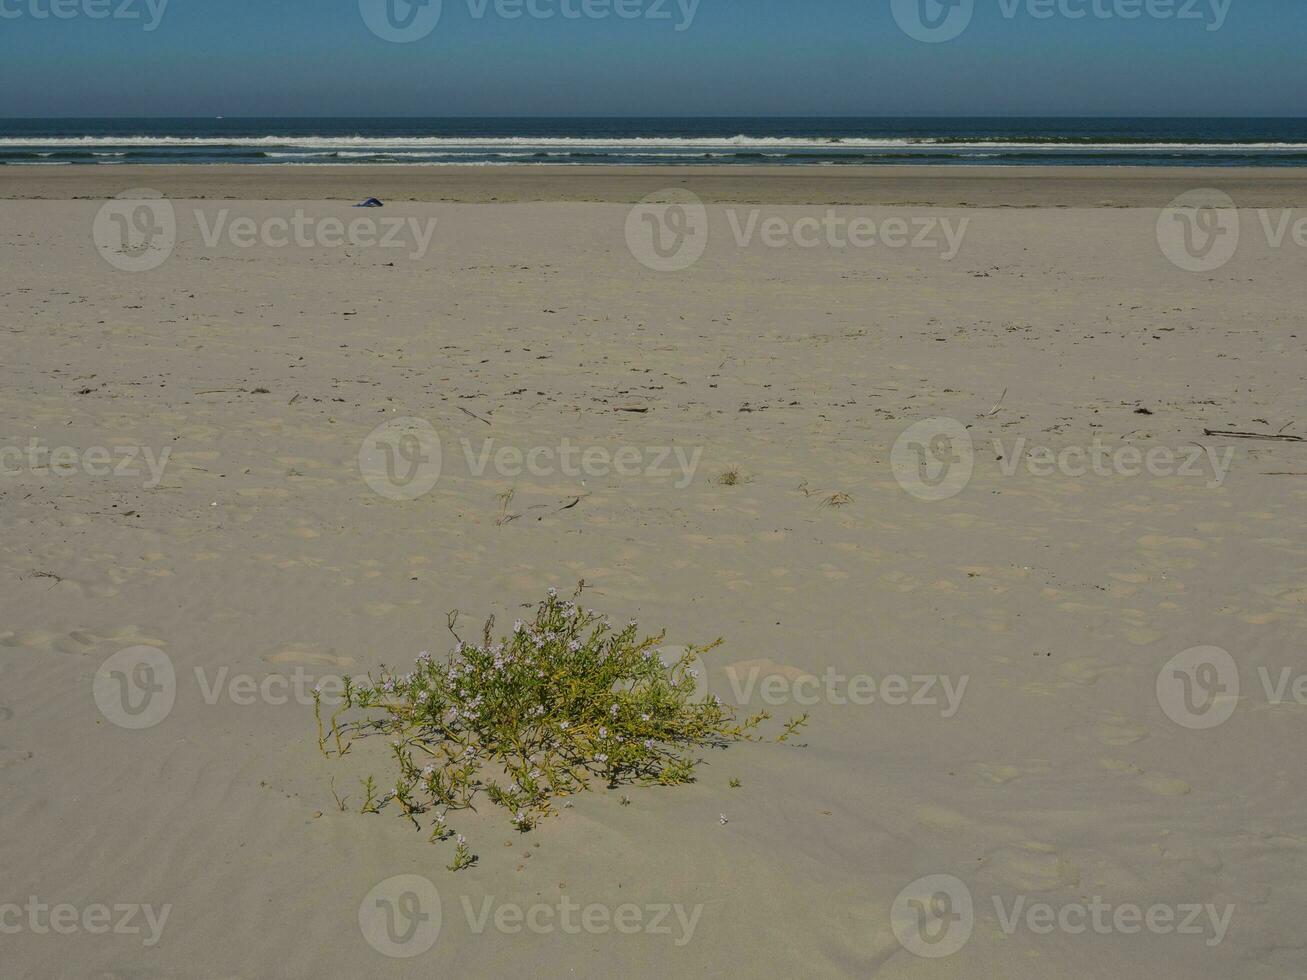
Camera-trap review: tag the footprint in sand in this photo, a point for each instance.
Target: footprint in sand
(78, 641)
(1151, 781)
(1083, 671)
(1118, 732)
(998, 775)
(942, 818)
(1031, 867)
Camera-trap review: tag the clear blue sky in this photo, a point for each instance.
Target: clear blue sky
(738, 57)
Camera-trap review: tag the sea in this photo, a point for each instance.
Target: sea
(834, 142)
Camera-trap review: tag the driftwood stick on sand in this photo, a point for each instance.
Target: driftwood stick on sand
(1254, 435)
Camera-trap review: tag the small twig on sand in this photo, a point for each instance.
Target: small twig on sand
(997, 405)
(1274, 437)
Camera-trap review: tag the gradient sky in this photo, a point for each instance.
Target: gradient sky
(738, 57)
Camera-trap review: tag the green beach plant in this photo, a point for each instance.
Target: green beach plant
(533, 718)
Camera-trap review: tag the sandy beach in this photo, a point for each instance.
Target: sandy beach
(934, 186)
(1000, 459)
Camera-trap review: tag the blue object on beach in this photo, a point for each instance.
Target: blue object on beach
(371, 202)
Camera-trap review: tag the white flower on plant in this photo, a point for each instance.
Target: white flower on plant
(601, 757)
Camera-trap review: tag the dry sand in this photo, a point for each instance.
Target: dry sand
(1060, 778)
